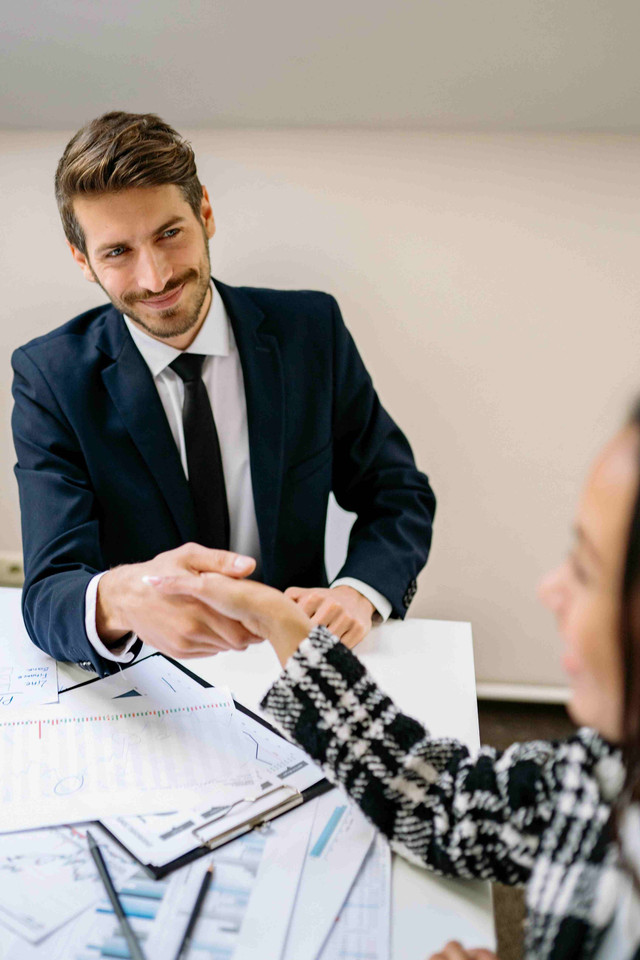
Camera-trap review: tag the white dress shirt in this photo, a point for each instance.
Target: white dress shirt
(222, 376)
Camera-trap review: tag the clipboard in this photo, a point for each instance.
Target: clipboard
(229, 822)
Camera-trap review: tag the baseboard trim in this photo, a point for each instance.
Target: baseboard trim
(522, 692)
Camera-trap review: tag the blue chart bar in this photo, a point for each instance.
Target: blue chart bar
(151, 890)
(115, 947)
(325, 836)
(140, 899)
(215, 951)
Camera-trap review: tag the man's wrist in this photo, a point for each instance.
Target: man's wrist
(111, 618)
(364, 601)
(381, 605)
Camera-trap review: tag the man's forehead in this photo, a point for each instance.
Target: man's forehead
(136, 210)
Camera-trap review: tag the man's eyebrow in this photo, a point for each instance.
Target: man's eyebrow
(584, 541)
(112, 245)
(170, 223)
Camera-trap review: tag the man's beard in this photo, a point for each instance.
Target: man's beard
(181, 324)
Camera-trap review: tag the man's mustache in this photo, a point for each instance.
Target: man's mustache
(131, 298)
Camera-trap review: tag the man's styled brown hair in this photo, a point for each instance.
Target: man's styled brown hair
(120, 150)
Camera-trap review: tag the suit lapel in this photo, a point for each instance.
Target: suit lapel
(264, 391)
(134, 394)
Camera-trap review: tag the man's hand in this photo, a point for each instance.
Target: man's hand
(455, 951)
(178, 625)
(262, 611)
(342, 609)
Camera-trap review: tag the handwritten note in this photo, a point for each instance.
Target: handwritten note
(23, 684)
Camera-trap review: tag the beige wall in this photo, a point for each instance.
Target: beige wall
(491, 283)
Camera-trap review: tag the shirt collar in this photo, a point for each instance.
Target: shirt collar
(213, 339)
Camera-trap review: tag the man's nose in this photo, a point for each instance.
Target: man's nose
(152, 270)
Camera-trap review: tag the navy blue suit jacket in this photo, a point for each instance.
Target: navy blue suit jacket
(101, 482)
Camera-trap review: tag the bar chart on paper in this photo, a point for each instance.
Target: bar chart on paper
(158, 911)
(96, 933)
(328, 831)
(141, 900)
(221, 920)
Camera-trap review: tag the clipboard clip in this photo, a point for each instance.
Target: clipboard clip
(259, 822)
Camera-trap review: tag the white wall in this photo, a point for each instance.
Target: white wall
(491, 283)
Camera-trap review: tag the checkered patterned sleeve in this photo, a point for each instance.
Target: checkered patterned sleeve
(460, 815)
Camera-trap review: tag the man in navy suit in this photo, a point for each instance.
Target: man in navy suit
(189, 425)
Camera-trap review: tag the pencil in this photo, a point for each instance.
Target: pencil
(195, 913)
(132, 941)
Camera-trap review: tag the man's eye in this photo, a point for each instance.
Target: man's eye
(116, 252)
(173, 232)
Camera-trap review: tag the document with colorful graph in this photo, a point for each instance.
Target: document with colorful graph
(60, 765)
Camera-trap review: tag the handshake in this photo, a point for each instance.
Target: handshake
(196, 602)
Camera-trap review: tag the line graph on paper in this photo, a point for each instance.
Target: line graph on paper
(261, 755)
(281, 758)
(48, 876)
(115, 762)
(65, 863)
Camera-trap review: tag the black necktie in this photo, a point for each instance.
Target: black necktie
(206, 478)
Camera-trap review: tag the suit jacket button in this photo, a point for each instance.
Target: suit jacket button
(409, 594)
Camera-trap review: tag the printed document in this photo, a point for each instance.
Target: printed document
(245, 916)
(62, 766)
(340, 839)
(363, 928)
(48, 877)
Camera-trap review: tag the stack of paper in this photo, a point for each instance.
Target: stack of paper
(181, 756)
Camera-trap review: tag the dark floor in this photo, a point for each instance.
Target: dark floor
(502, 724)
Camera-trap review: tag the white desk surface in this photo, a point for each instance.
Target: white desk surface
(426, 666)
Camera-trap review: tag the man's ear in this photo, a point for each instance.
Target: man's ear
(207, 214)
(82, 261)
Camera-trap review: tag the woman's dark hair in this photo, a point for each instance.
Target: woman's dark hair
(629, 631)
(630, 643)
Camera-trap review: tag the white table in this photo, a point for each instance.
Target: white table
(426, 666)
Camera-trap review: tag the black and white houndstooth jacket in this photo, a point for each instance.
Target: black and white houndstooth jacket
(538, 813)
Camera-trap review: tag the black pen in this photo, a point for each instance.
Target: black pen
(132, 941)
(195, 913)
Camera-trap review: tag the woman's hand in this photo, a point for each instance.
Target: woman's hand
(455, 951)
(262, 611)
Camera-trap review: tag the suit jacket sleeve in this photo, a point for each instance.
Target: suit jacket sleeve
(60, 531)
(375, 476)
